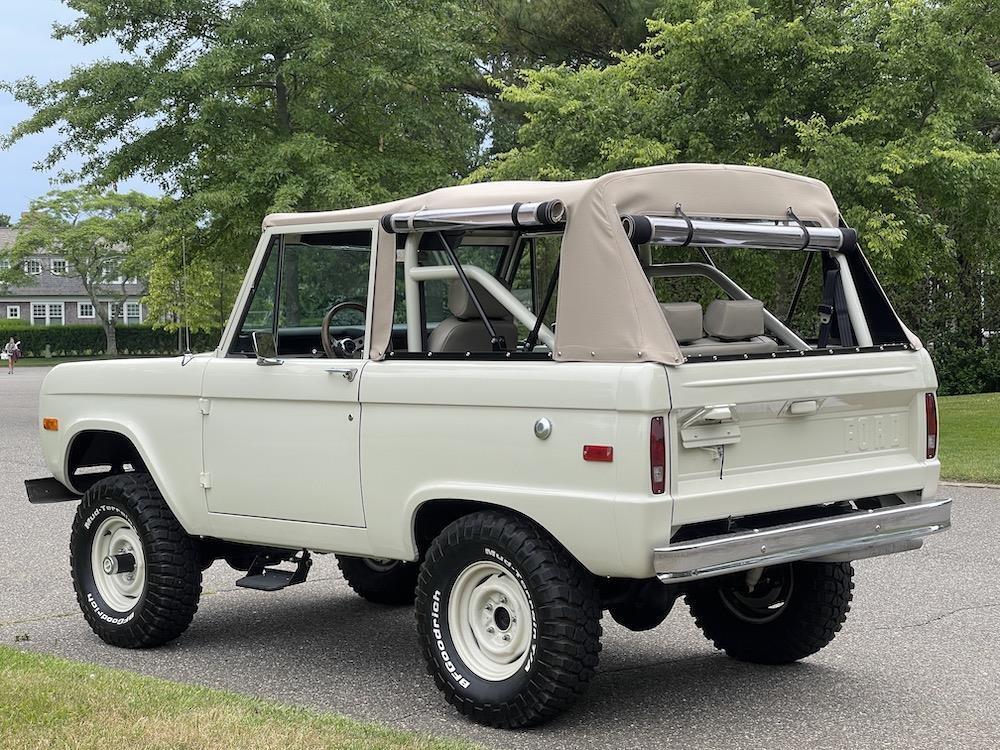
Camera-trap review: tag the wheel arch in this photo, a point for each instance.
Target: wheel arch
(107, 442)
(431, 517)
(96, 449)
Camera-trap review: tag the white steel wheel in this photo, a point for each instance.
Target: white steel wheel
(118, 563)
(490, 618)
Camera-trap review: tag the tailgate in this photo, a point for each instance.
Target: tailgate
(753, 436)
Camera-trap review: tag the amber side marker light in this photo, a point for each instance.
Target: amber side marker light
(50, 423)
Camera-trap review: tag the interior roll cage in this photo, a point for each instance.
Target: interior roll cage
(680, 230)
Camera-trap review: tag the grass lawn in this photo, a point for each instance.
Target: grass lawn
(970, 438)
(46, 702)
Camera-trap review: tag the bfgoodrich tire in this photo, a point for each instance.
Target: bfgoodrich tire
(391, 582)
(509, 623)
(792, 612)
(137, 574)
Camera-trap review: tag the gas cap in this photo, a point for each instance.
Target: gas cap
(543, 428)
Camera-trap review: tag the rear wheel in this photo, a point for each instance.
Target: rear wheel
(509, 623)
(775, 616)
(380, 581)
(136, 573)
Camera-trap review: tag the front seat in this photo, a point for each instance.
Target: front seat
(464, 330)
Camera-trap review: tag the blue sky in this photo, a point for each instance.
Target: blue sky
(27, 49)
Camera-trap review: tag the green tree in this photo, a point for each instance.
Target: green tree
(241, 109)
(894, 104)
(97, 234)
(566, 32)
(4, 220)
(526, 34)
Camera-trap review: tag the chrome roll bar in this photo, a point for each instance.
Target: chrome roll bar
(544, 213)
(680, 231)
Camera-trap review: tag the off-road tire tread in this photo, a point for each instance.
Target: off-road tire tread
(395, 588)
(568, 611)
(173, 563)
(821, 601)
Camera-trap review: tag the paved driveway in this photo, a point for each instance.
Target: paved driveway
(917, 665)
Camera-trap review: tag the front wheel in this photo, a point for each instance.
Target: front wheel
(136, 573)
(777, 615)
(509, 623)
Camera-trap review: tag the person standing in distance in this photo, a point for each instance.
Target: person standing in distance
(12, 349)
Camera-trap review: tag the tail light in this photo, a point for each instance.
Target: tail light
(930, 404)
(657, 456)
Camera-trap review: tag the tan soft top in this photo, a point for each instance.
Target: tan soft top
(606, 307)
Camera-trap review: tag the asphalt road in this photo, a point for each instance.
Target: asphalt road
(917, 664)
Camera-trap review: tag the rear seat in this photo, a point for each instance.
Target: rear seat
(727, 327)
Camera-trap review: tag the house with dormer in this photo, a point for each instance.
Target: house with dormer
(56, 296)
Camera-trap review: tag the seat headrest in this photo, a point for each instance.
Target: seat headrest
(461, 305)
(735, 319)
(684, 319)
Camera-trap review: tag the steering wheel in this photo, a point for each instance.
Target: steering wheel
(346, 348)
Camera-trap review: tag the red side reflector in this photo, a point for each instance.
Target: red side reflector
(657, 456)
(930, 404)
(598, 453)
(51, 424)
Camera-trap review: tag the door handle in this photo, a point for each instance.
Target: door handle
(349, 373)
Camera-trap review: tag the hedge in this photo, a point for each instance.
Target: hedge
(89, 340)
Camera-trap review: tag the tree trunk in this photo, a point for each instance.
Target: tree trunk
(112, 337)
(101, 311)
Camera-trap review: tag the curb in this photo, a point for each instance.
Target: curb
(972, 485)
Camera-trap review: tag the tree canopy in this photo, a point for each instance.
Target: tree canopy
(240, 109)
(894, 104)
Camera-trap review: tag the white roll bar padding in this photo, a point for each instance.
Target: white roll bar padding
(502, 294)
(679, 231)
(414, 337)
(854, 310)
(734, 290)
(539, 213)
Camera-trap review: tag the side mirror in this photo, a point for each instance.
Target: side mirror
(266, 349)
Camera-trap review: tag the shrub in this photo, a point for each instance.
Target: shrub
(89, 340)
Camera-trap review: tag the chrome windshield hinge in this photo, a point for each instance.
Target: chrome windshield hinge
(206, 480)
(205, 406)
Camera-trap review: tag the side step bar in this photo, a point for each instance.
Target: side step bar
(867, 533)
(263, 578)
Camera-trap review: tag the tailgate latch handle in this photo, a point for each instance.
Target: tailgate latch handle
(711, 427)
(803, 408)
(710, 415)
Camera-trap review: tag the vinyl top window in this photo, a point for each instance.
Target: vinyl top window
(33, 267)
(59, 266)
(13, 312)
(85, 310)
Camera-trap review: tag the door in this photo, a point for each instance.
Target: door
(282, 441)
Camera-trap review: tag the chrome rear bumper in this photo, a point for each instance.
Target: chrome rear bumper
(848, 537)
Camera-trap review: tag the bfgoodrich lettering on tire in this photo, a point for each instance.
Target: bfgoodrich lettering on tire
(509, 623)
(137, 574)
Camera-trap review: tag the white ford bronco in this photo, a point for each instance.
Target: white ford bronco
(519, 405)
